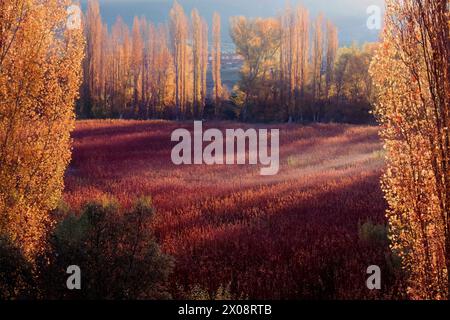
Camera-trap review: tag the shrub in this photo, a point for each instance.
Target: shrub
(16, 277)
(115, 250)
(373, 233)
(223, 293)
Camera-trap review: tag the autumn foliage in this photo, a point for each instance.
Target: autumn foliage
(411, 74)
(40, 73)
(150, 71)
(119, 203)
(294, 70)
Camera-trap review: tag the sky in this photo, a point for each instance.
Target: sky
(350, 16)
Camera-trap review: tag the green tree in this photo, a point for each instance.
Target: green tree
(115, 249)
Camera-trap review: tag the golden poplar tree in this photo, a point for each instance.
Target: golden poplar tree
(179, 35)
(93, 59)
(105, 71)
(163, 70)
(123, 47)
(317, 61)
(217, 59)
(118, 67)
(303, 59)
(411, 74)
(40, 72)
(204, 63)
(287, 59)
(332, 47)
(294, 54)
(136, 65)
(197, 61)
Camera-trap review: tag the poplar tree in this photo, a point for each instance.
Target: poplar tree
(411, 75)
(40, 74)
(197, 48)
(179, 35)
(317, 62)
(332, 47)
(217, 60)
(136, 65)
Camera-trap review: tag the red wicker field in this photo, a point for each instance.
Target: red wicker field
(289, 236)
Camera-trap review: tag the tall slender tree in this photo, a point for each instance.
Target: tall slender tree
(92, 62)
(136, 65)
(294, 58)
(204, 63)
(411, 74)
(197, 47)
(317, 64)
(40, 74)
(179, 37)
(217, 60)
(332, 47)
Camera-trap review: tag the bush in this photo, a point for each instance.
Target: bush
(373, 233)
(115, 250)
(16, 275)
(223, 293)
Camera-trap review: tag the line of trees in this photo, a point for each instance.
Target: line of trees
(148, 72)
(294, 70)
